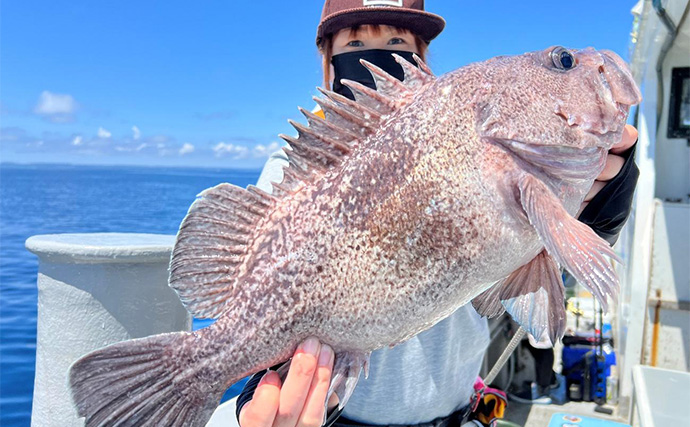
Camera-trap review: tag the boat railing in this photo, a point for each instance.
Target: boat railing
(95, 290)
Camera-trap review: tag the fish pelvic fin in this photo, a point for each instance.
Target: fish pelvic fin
(145, 382)
(533, 295)
(211, 245)
(571, 243)
(346, 371)
(326, 142)
(488, 303)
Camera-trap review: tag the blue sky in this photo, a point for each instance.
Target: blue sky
(212, 83)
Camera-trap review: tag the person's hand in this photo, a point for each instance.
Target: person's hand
(300, 400)
(614, 163)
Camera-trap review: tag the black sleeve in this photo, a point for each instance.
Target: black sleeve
(248, 393)
(607, 212)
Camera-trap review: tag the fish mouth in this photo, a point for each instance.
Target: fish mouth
(563, 162)
(601, 129)
(611, 119)
(619, 79)
(617, 91)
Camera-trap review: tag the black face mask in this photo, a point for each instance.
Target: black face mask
(347, 66)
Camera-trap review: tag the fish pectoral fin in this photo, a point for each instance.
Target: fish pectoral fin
(572, 244)
(348, 366)
(533, 295)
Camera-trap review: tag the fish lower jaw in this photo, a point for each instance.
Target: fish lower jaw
(560, 162)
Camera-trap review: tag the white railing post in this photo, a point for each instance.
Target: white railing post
(95, 290)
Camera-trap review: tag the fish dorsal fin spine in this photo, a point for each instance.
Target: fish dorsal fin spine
(344, 117)
(377, 101)
(387, 84)
(309, 158)
(415, 77)
(352, 108)
(216, 235)
(295, 174)
(326, 142)
(338, 137)
(422, 66)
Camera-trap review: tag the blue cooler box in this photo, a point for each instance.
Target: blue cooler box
(578, 358)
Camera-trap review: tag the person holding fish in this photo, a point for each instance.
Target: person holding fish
(427, 380)
(393, 213)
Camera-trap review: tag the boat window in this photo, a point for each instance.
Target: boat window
(679, 111)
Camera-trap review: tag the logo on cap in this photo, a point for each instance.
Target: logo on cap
(398, 3)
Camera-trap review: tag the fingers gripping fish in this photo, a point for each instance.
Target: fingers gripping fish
(395, 210)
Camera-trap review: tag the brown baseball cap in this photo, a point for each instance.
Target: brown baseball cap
(409, 14)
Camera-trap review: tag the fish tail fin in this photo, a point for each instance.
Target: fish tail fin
(153, 381)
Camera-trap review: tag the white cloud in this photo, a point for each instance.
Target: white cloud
(78, 140)
(186, 149)
(235, 151)
(102, 133)
(129, 148)
(261, 150)
(35, 143)
(242, 152)
(136, 133)
(50, 104)
(160, 138)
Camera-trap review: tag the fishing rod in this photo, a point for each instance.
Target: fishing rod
(510, 348)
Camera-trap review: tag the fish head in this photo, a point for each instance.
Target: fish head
(559, 107)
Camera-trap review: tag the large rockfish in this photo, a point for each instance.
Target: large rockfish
(395, 210)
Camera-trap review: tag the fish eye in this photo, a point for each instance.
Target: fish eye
(563, 59)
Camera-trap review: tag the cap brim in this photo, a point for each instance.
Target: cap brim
(424, 24)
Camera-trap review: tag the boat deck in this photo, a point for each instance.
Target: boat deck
(540, 415)
(522, 415)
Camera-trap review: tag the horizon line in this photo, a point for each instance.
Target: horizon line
(39, 163)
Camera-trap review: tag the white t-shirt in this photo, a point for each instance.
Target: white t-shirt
(429, 376)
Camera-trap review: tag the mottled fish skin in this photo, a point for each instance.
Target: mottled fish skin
(422, 216)
(425, 217)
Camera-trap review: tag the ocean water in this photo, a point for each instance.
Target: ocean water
(47, 199)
